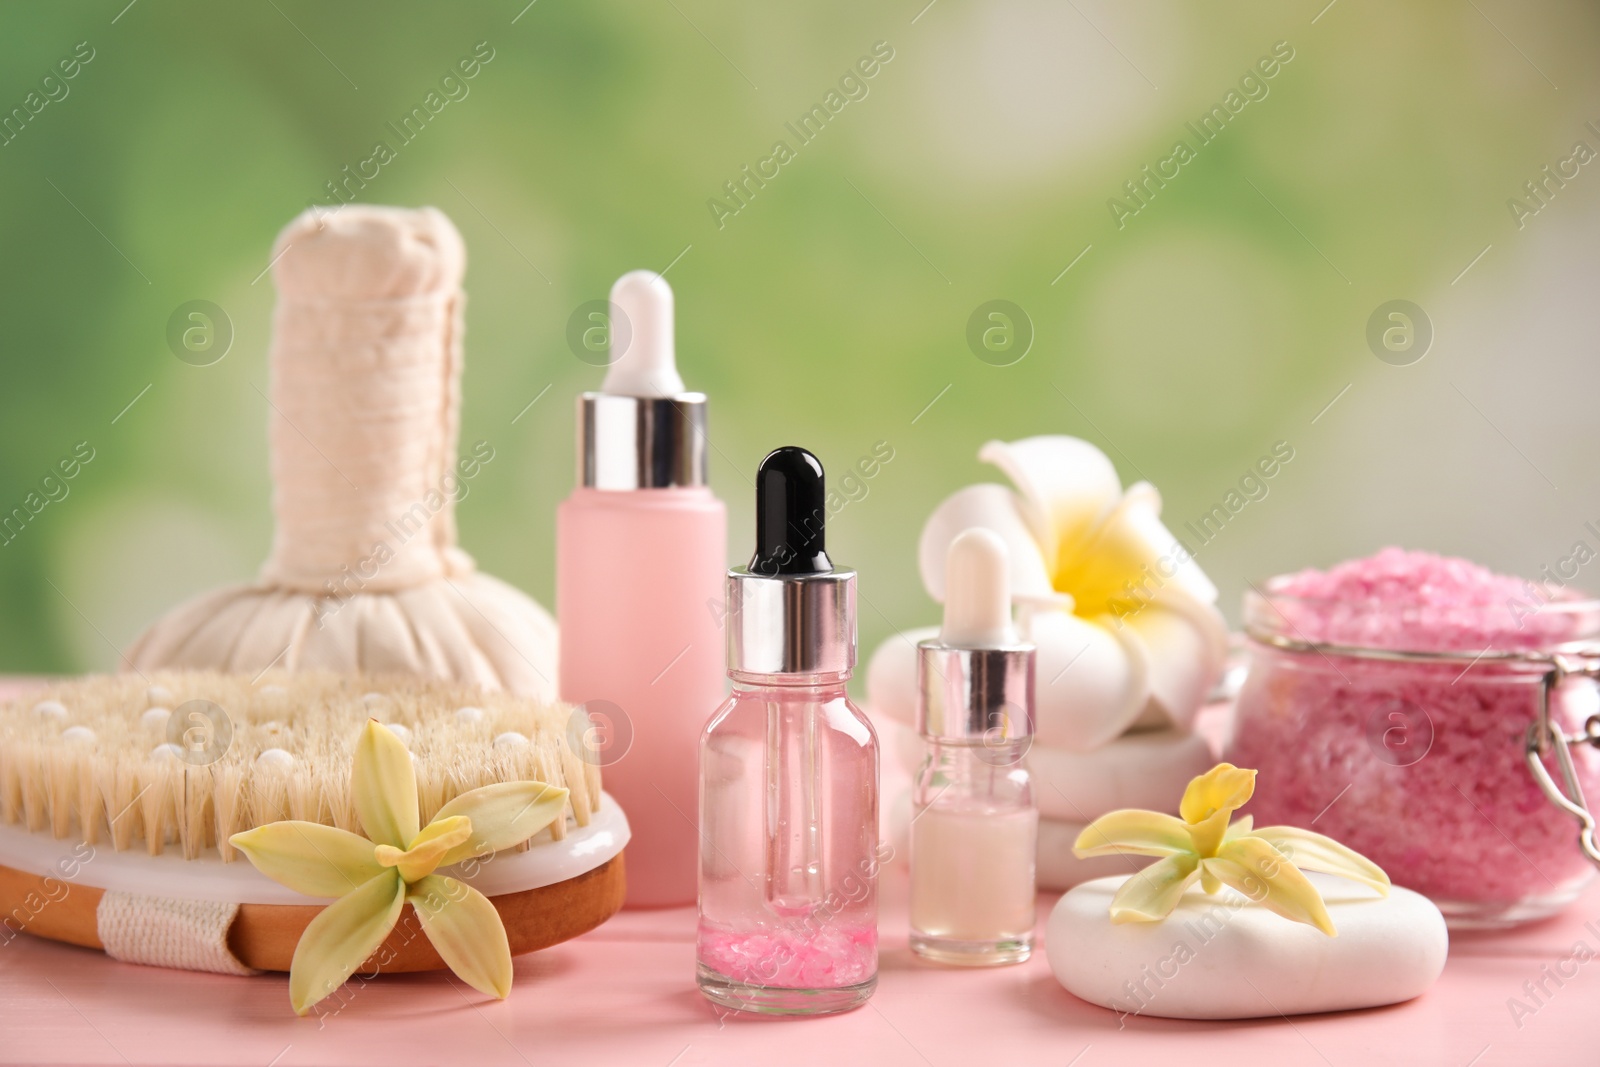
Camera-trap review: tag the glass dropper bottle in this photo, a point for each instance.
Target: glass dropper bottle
(974, 825)
(789, 775)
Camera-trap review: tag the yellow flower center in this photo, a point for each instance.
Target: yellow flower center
(1264, 865)
(420, 858)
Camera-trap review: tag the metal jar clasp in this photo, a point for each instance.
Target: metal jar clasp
(1545, 735)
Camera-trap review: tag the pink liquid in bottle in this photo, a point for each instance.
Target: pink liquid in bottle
(641, 549)
(789, 776)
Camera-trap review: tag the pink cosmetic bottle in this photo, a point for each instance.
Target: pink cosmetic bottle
(789, 775)
(641, 550)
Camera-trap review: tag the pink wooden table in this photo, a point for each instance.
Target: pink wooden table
(625, 994)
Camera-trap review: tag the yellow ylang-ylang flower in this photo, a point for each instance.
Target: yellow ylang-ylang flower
(375, 876)
(1265, 865)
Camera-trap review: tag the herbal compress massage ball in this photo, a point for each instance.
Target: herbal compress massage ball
(365, 400)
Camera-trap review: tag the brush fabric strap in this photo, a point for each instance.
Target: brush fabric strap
(191, 935)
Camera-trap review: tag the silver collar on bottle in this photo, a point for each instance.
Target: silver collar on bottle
(792, 623)
(641, 442)
(975, 695)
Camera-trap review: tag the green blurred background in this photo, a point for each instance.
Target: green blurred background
(1223, 317)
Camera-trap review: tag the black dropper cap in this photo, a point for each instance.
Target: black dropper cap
(791, 509)
(791, 611)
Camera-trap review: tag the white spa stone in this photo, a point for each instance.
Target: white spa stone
(402, 732)
(469, 715)
(159, 696)
(511, 739)
(1138, 770)
(78, 735)
(1059, 870)
(166, 752)
(1222, 957)
(275, 759)
(50, 709)
(155, 719)
(894, 820)
(899, 740)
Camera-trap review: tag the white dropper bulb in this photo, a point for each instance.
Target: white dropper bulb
(977, 596)
(648, 367)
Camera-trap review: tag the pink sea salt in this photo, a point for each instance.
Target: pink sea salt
(1419, 765)
(1424, 602)
(828, 957)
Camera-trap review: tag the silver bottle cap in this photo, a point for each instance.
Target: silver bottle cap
(643, 429)
(641, 442)
(975, 695)
(791, 623)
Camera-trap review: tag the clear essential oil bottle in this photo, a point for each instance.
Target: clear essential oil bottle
(789, 775)
(974, 825)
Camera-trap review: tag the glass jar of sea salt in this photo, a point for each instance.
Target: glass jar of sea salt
(1438, 718)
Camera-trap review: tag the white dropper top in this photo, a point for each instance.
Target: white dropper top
(648, 367)
(977, 599)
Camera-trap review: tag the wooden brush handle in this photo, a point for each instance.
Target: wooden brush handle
(263, 936)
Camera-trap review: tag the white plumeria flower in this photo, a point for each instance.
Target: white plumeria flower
(1125, 621)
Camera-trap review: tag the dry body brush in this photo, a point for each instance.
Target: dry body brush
(183, 760)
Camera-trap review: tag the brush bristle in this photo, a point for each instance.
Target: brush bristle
(126, 784)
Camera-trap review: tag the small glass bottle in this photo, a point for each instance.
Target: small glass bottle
(974, 825)
(789, 775)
